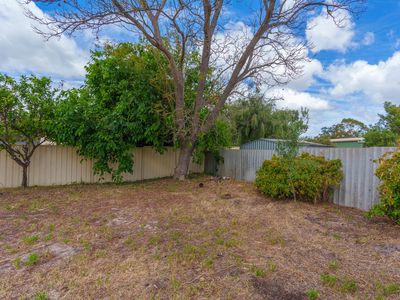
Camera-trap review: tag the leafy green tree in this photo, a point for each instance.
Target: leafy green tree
(391, 118)
(220, 136)
(293, 125)
(255, 117)
(119, 107)
(127, 102)
(387, 130)
(377, 136)
(26, 114)
(347, 128)
(252, 118)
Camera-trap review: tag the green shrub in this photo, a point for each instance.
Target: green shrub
(305, 177)
(388, 172)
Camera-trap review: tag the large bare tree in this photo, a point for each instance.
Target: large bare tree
(265, 48)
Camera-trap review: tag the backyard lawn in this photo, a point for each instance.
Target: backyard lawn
(165, 239)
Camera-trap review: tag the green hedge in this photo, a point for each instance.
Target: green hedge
(388, 172)
(305, 177)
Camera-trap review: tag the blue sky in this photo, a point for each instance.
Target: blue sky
(351, 70)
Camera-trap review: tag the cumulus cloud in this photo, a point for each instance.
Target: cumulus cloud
(368, 39)
(22, 50)
(295, 100)
(324, 34)
(310, 69)
(377, 82)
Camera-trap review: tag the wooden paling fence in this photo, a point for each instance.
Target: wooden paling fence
(57, 165)
(358, 188)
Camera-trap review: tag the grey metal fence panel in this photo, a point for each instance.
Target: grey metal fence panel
(357, 189)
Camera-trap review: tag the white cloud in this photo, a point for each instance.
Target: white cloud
(295, 100)
(22, 50)
(377, 82)
(369, 39)
(311, 68)
(324, 34)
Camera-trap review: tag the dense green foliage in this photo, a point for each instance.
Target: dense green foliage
(219, 137)
(127, 101)
(347, 128)
(382, 134)
(292, 127)
(388, 172)
(254, 117)
(387, 130)
(305, 177)
(119, 107)
(26, 114)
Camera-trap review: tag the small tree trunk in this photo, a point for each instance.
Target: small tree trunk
(182, 168)
(24, 176)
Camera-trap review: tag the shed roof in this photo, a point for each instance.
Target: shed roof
(352, 139)
(274, 141)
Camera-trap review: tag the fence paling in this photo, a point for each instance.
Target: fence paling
(357, 189)
(62, 165)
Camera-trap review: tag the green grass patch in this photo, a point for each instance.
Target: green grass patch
(259, 272)
(41, 296)
(48, 237)
(30, 240)
(32, 260)
(312, 294)
(382, 291)
(17, 263)
(329, 280)
(333, 264)
(349, 286)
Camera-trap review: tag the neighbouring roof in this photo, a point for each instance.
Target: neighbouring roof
(359, 139)
(313, 144)
(270, 143)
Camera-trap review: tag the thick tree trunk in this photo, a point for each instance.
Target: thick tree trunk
(182, 168)
(24, 176)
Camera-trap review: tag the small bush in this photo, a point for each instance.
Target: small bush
(388, 172)
(305, 177)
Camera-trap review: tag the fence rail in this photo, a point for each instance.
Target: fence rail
(56, 165)
(357, 189)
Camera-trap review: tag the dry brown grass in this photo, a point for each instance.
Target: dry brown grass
(175, 240)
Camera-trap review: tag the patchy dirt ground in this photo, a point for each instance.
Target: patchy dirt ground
(176, 240)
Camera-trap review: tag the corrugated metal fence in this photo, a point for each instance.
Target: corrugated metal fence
(52, 165)
(358, 188)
